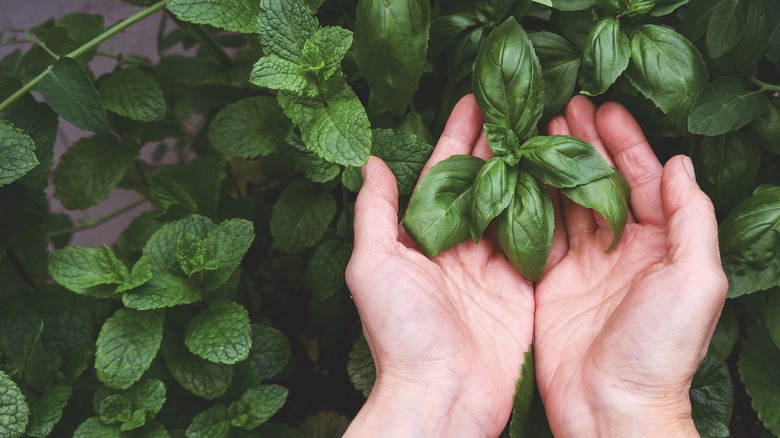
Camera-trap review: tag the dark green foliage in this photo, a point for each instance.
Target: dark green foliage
(223, 310)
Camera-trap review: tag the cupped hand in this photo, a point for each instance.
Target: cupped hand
(619, 335)
(447, 334)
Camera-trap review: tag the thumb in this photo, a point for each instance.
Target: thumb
(376, 209)
(692, 228)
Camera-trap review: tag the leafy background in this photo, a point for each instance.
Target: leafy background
(222, 311)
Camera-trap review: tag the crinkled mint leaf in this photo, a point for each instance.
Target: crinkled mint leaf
(126, 346)
(191, 253)
(134, 94)
(140, 274)
(757, 365)
(69, 92)
(226, 245)
(313, 166)
(327, 48)
(221, 334)
(214, 422)
(233, 15)
(361, 367)
(13, 408)
(277, 73)
(46, 412)
(148, 398)
(257, 405)
(161, 247)
(284, 27)
(324, 424)
(193, 187)
(301, 216)
(340, 133)
(162, 290)
(38, 121)
(205, 379)
(94, 428)
(404, 153)
(325, 272)
(115, 409)
(270, 351)
(21, 327)
(712, 396)
(185, 70)
(90, 169)
(17, 153)
(80, 269)
(249, 128)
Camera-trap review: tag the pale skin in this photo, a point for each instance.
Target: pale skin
(618, 335)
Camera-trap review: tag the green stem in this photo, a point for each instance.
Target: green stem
(48, 50)
(115, 29)
(87, 225)
(204, 39)
(765, 86)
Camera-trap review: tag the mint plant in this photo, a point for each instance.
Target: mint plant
(223, 311)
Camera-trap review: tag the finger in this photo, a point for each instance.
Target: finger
(635, 159)
(482, 148)
(460, 134)
(578, 219)
(581, 118)
(560, 242)
(376, 210)
(692, 229)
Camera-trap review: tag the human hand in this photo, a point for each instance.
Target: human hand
(619, 335)
(447, 334)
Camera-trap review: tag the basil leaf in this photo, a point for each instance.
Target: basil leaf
(560, 66)
(507, 80)
(528, 416)
(666, 7)
(525, 228)
(750, 242)
(446, 29)
(604, 56)
(751, 45)
(609, 196)
(572, 5)
(391, 42)
(460, 63)
(494, 187)
(438, 214)
(724, 106)
(766, 128)
(697, 18)
(757, 364)
(726, 25)
(501, 140)
(563, 161)
(667, 69)
(726, 167)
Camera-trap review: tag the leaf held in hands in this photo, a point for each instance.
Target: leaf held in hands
(609, 196)
(563, 161)
(70, 93)
(438, 214)
(494, 187)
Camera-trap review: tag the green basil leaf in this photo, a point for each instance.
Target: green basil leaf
(723, 106)
(666, 7)
(752, 38)
(340, 133)
(726, 24)
(325, 271)
(757, 364)
(766, 128)
(560, 67)
(667, 69)
(249, 128)
(750, 243)
(502, 141)
(70, 93)
(528, 416)
(494, 187)
(507, 80)
(697, 18)
(327, 48)
(234, 15)
(609, 196)
(284, 27)
(161, 291)
(404, 153)
(280, 74)
(726, 333)
(572, 5)
(460, 62)
(438, 214)
(17, 153)
(40, 123)
(525, 228)
(604, 56)
(80, 269)
(446, 29)
(712, 397)
(391, 42)
(726, 167)
(563, 161)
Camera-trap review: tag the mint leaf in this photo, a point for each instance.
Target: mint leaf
(205, 379)
(126, 346)
(325, 272)
(226, 245)
(712, 396)
(301, 216)
(280, 74)
(340, 133)
(13, 408)
(257, 405)
(214, 422)
(134, 94)
(284, 26)
(233, 15)
(80, 269)
(361, 367)
(723, 106)
(325, 50)
(249, 128)
(270, 351)
(221, 334)
(315, 168)
(46, 412)
(70, 93)
(140, 274)
(191, 71)
(115, 409)
(148, 398)
(17, 153)
(90, 169)
(162, 290)
(161, 247)
(38, 121)
(757, 365)
(94, 428)
(404, 153)
(191, 253)
(324, 424)
(193, 186)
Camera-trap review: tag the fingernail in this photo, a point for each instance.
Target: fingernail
(689, 167)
